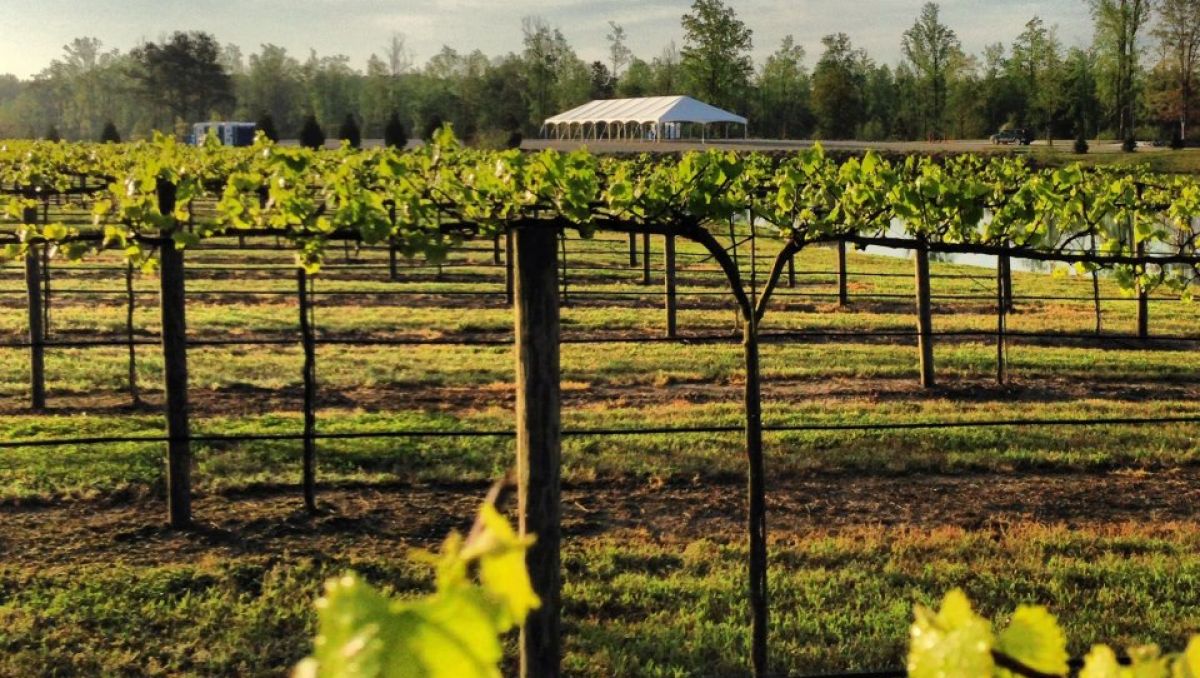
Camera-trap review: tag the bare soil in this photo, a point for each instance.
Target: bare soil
(380, 520)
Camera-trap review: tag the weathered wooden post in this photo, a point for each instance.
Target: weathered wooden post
(924, 314)
(1143, 300)
(1001, 325)
(37, 329)
(46, 290)
(669, 284)
(539, 448)
(393, 268)
(130, 307)
(566, 292)
(175, 371)
(645, 258)
(308, 341)
(633, 250)
(508, 266)
(843, 286)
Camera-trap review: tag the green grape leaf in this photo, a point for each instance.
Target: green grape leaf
(1187, 665)
(452, 633)
(364, 635)
(1101, 662)
(1148, 662)
(1035, 639)
(55, 231)
(953, 642)
(502, 568)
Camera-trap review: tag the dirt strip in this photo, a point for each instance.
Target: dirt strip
(379, 520)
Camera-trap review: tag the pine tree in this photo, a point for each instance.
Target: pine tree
(110, 135)
(266, 125)
(350, 132)
(394, 134)
(52, 134)
(311, 135)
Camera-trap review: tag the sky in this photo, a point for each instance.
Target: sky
(35, 30)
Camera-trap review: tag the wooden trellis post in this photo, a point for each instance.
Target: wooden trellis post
(924, 315)
(645, 258)
(539, 447)
(843, 286)
(1002, 300)
(633, 250)
(669, 284)
(46, 288)
(37, 328)
(508, 266)
(130, 307)
(1143, 301)
(308, 341)
(393, 269)
(175, 370)
(566, 292)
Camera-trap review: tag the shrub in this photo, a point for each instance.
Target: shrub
(432, 124)
(1176, 139)
(1129, 145)
(52, 134)
(110, 135)
(497, 139)
(1081, 144)
(350, 132)
(394, 134)
(266, 125)
(311, 134)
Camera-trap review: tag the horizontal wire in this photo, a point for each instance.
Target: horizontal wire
(769, 337)
(610, 432)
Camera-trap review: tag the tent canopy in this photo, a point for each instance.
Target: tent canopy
(645, 110)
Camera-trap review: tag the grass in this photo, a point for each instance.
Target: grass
(1158, 160)
(637, 602)
(633, 607)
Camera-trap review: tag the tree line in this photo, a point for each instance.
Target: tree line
(1136, 79)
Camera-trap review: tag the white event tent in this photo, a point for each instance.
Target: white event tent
(650, 118)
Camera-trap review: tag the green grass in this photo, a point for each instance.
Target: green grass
(88, 470)
(636, 603)
(632, 607)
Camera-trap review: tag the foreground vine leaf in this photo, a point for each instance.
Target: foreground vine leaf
(1035, 639)
(452, 633)
(952, 642)
(955, 642)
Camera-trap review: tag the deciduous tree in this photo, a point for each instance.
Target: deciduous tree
(838, 83)
(1118, 23)
(716, 54)
(183, 75)
(1178, 35)
(932, 48)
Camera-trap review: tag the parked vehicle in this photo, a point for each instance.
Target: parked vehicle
(1012, 136)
